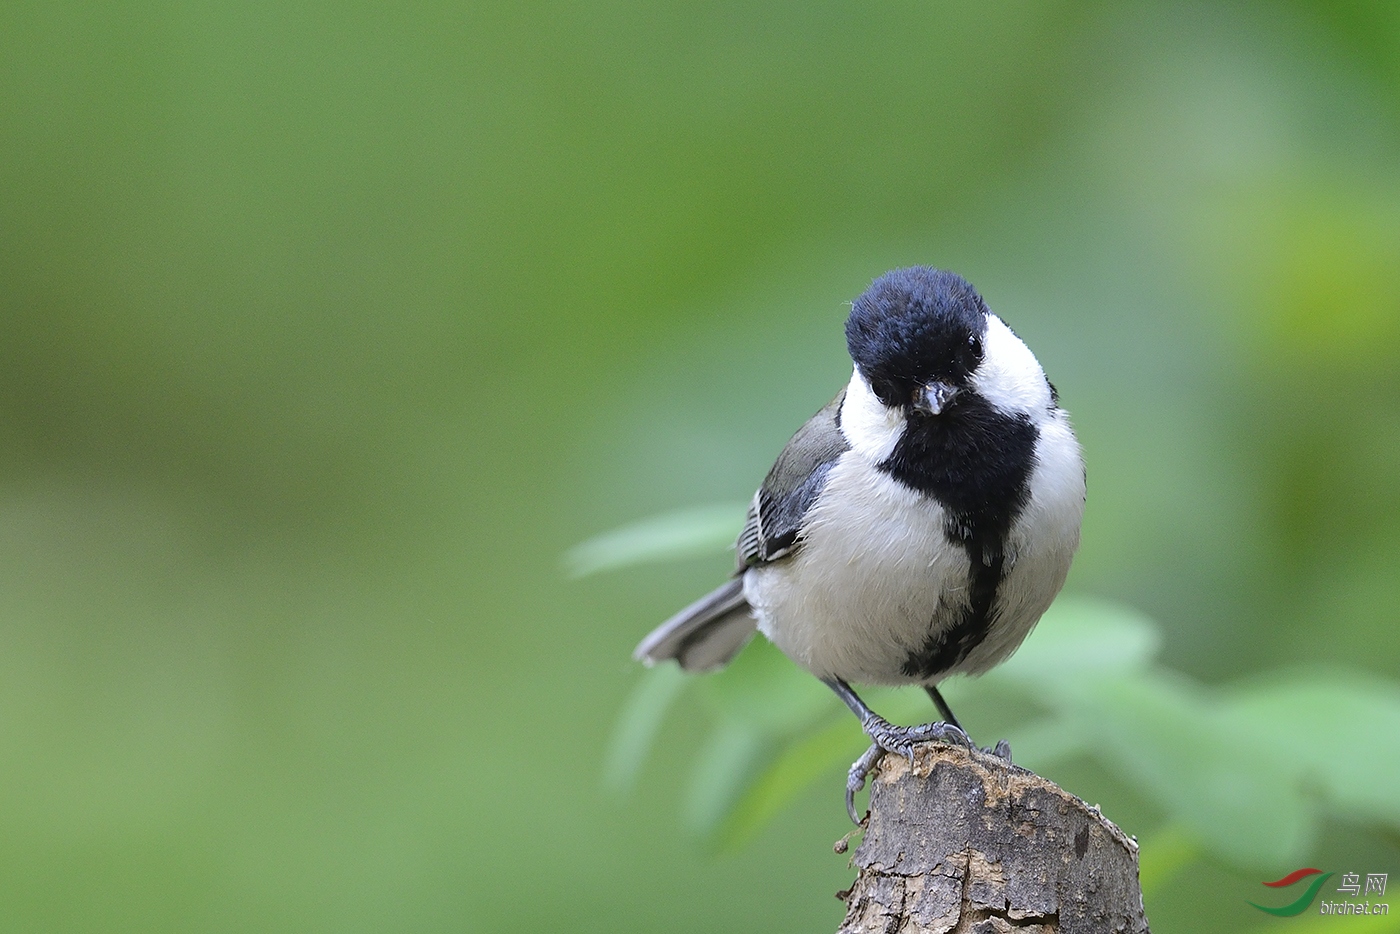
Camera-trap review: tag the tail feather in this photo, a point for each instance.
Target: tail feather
(704, 635)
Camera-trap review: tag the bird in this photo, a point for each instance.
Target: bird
(914, 528)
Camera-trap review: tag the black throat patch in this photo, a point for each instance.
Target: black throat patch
(977, 463)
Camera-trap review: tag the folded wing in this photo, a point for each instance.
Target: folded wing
(712, 630)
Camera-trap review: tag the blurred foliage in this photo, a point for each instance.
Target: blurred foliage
(328, 328)
(682, 534)
(1236, 771)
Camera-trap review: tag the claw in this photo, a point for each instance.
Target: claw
(902, 739)
(899, 740)
(890, 738)
(855, 778)
(1002, 750)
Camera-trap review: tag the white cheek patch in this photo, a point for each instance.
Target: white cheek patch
(1010, 378)
(872, 428)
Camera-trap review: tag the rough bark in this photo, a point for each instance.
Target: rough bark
(964, 842)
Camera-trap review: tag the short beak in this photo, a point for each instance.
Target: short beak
(934, 397)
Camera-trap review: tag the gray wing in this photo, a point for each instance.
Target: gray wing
(780, 505)
(712, 630)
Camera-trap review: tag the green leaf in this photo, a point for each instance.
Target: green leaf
(638, 723)
(799, 765)
(730, 758)
(764, 689)
(762, 701)
(1236, 792)
(1340, 729)
(1079, 637)
(1042, 743)
(686, 533)
(1163, 855)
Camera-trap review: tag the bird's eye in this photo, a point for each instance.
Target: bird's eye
(971, 355)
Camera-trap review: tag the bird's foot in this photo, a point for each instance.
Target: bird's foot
(855, 778)
(899, 740)
(1002, 750)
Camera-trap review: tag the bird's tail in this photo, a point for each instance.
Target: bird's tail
(704, 635)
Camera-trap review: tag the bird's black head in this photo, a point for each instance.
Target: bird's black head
(916, 335)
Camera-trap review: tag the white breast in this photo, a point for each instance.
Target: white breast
(863, 590)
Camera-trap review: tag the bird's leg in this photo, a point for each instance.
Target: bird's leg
(942, 706)
(886, 738)
(1002, 750)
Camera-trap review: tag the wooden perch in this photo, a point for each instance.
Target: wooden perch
(964, 843)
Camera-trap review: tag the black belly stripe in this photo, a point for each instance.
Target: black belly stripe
(977, 463)
(950, 644)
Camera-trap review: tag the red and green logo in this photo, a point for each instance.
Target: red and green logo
(1305, 900)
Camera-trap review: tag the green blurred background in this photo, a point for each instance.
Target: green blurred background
(329, 327)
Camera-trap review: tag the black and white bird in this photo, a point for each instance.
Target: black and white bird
(917, 526)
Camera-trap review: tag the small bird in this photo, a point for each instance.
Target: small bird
(916, 527)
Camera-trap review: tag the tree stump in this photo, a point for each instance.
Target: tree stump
(963, 842)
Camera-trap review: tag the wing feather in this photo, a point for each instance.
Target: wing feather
(705, 634)
(778, 508)
(712, 630)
